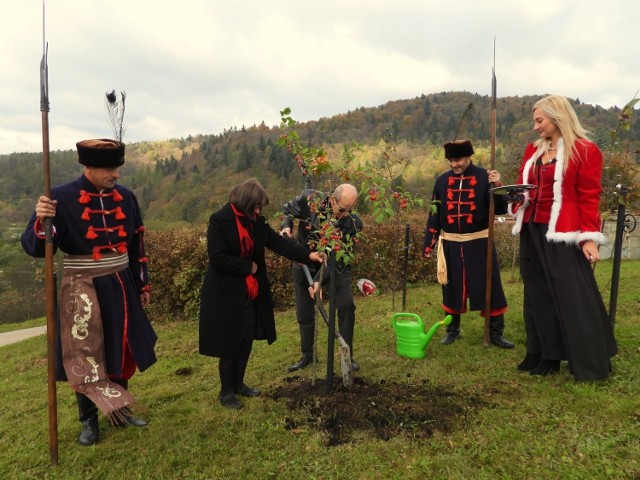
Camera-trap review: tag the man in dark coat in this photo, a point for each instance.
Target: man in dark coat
(459, 228)
(310, 208)
(103, 332)
(236, 305)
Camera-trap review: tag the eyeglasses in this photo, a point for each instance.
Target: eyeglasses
(340, 209)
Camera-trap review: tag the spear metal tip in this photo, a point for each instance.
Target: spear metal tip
(111, 96)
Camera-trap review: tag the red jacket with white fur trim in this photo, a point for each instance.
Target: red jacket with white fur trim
(575, 215)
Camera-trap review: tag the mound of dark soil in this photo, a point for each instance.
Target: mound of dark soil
(380, 409)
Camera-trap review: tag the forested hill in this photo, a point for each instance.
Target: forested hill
(183, 179)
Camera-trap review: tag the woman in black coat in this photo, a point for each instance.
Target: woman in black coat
(236, 305)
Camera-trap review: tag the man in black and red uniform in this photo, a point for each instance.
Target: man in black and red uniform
(459, 226)
(103, 332)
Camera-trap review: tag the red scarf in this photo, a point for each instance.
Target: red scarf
(246, 251)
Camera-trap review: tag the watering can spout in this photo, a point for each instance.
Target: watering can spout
(432, 330)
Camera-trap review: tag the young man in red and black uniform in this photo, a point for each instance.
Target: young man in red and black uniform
(459, 228)
(103, 332)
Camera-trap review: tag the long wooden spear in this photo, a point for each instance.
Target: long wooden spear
(48, 262)
(487, 302)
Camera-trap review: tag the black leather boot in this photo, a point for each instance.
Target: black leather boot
(496, 328)
(128, 420)
(355, 366)
(229, 400)
(303, 362)
(307, 332)
(246, 391)
(546, 367)
(453, 331)
(228, 368)
(529, 362)
(88, 416)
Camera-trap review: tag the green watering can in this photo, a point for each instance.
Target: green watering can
(410, 337)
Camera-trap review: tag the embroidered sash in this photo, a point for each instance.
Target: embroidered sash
(81, 332)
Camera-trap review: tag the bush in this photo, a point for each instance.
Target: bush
(178, 260)
(177, 263)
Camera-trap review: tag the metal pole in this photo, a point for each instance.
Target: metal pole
(50, 289)
(332, 320)
(487, 302)
(617, 255)
(405, 267)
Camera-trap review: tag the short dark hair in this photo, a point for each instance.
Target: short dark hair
(247, 195)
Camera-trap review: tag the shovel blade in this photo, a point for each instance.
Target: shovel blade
(345, 366)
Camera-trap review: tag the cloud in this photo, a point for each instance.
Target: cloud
(198, 66)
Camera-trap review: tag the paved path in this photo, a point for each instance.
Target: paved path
(14, 336)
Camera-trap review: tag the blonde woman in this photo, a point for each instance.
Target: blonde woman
(559, 227)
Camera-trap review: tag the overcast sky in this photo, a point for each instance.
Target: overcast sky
(199, 66)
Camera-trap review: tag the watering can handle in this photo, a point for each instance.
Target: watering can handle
(416, 317)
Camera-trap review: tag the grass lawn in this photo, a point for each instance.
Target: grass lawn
(519, 427)
(36, 322)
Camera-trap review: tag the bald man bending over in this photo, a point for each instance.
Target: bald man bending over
(310, 208)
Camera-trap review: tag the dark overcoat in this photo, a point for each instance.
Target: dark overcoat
(224, 291)
(88, 222)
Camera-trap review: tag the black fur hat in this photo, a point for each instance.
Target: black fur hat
(458, 149)
(101, 153)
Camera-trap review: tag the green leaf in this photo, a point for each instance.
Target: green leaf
(628, 108)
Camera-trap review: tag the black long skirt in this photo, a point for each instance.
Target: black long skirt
(564, 315)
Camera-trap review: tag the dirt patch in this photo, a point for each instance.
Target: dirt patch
(380, 409)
